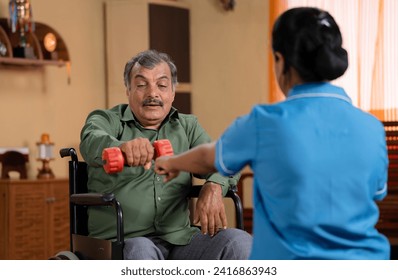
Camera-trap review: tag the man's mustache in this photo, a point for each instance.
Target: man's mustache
(152, 101)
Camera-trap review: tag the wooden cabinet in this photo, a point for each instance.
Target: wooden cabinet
(34, 218)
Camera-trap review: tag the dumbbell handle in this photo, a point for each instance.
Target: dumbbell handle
(114, 161)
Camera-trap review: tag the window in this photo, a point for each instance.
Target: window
(370, 35)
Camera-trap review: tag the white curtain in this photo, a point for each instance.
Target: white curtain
(370, 35)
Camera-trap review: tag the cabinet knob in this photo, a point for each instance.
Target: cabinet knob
(50, 199)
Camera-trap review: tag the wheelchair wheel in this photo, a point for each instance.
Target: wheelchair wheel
(65, 255)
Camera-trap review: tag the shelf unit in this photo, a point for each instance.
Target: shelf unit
(42, 57)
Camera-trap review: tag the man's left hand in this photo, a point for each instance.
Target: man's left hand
(210, 210)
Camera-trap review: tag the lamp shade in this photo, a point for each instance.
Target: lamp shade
(45, 147)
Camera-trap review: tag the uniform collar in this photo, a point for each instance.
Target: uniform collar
(323, 89)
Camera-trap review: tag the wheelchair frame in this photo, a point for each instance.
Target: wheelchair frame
(85, 247)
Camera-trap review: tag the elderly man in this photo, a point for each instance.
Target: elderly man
(156, 213)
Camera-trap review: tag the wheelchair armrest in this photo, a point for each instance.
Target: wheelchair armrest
(106, 199)
(93, 199)
(232, 193)
(194, 191)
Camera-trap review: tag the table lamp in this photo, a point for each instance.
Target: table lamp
(45, 148)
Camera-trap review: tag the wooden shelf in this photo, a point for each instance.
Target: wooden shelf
(30, 62)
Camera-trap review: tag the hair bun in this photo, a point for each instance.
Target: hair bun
(330, 63)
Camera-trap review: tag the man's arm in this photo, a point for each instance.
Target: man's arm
(99, 132)
(210, 211)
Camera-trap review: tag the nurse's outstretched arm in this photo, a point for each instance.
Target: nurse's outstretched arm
(199, 160)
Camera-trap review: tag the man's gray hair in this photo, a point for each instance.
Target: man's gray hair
(149, 59)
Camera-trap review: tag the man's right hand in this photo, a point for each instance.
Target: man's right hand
(138, 152)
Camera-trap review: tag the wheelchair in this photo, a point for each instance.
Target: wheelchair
(85, 247)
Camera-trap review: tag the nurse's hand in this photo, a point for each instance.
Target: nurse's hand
(163, 167)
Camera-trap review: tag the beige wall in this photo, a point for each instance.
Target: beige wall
(229, 61)
(229, 72)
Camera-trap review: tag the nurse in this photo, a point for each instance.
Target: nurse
(319, 163)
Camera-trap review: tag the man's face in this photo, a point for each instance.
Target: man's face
(151, 94)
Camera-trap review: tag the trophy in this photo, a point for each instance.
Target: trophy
(21, 21)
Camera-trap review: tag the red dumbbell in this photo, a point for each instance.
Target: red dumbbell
(114, 161)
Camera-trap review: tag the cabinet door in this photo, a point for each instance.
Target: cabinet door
(58, 209)
(164, 26)
(27, 221)
(3, 222)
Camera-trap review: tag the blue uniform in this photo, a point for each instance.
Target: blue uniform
(319, 164)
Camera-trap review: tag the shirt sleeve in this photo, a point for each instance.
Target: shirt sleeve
(99, 132)
(236, 148)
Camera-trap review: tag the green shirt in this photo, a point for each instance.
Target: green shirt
(150, 206)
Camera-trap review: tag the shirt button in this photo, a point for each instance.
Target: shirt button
(157, 178)
(159, 198)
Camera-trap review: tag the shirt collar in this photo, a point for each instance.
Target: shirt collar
(128, 115)
(323, 89)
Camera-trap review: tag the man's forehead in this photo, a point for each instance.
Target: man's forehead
(160, 70)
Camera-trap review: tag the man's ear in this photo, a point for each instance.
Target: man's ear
(127, 92)
(174, 92)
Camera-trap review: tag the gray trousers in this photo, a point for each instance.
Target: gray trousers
(228, 244)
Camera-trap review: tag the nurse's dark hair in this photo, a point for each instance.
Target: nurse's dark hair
(149, 59)
(310, 41)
